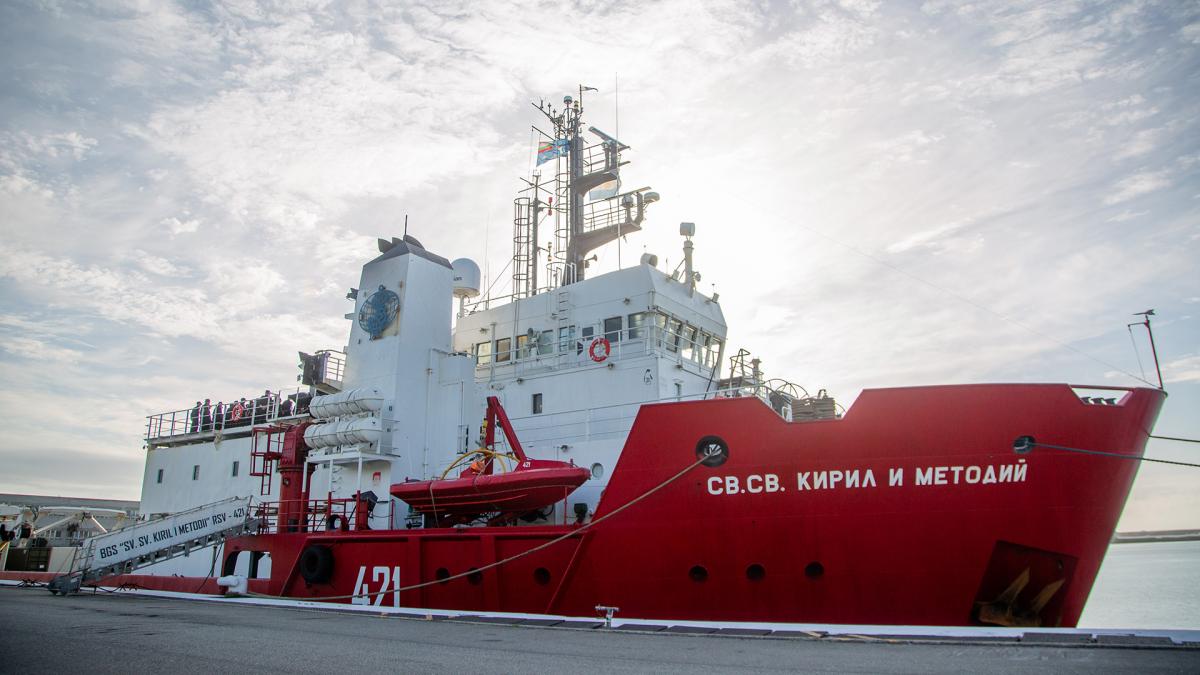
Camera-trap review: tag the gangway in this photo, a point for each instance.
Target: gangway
(131, 548)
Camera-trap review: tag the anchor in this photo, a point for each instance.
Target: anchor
(1003, 611)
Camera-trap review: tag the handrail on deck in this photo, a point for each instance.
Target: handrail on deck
(206, 420)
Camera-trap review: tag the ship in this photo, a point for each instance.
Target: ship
(590, 443)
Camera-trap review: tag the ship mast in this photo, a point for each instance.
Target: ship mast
(588, 224)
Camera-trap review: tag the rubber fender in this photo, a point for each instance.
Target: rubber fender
(316, 564)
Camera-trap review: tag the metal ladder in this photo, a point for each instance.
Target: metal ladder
(562, 313)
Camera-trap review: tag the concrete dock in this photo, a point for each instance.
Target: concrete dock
(127, 633)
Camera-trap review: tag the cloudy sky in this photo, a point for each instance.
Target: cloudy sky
(885, 193)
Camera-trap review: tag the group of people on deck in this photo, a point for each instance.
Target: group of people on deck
(207, 416)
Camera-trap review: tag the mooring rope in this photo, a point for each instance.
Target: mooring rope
(1025, 446)
(503, 561)
(1176, 438)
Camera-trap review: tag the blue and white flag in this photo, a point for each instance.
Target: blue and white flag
(606, 190)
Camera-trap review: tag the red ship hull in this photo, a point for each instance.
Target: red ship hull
(951, 528)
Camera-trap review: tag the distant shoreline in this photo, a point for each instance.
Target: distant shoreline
(1158, 535)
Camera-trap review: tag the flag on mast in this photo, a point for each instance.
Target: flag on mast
(606, 190)
(548, 150)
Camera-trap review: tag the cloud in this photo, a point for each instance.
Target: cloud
(1137, 185)
(177, 226)
(885, 194)
(1183, 369)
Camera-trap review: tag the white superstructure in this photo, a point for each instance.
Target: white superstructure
(571, 360)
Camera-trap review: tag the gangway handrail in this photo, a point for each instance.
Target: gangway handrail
(130, 548)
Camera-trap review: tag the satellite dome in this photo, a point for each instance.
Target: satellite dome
(466, 278)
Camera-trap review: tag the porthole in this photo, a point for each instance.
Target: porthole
(756, 572)
(814, 570)
(475, 577)
(597, 471)
(442, 574)
(698, 574)
(713, 450)
(541, 575)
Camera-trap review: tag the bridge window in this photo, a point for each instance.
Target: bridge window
(160, 474)
(483, 353)
(674, 329)
(566, 335)
(714, 352)
(235, 469)
(689, 342)
(537, 404)
(612, 329)
(545, 343)
(585, 338)
(636, 321)
(522, 346)
(503, 350)
(196, 472)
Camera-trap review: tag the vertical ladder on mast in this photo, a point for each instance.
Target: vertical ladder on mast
(522, 260)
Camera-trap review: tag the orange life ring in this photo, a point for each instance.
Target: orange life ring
(592, 350)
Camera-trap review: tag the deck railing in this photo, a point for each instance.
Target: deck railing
(685, 345)
(208, 420)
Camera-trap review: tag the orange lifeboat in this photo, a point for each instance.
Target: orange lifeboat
(477, 491)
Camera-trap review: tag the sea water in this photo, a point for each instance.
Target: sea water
(1150, 585)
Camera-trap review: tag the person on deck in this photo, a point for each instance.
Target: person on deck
(206, 418)
(194, 419)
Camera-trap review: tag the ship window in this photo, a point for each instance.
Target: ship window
(674, 328)
(542, 576)
(660, 327)
(698, 574)
(483, 353)
(503, 350)
(689, 342)
(545, 343)
(537, 404)
(612, 329)
(636, 321)
(714, 352)
(196, 472)
(160, 474)
(585, 338)
(566, 335)
(522, 346)
(235, 469)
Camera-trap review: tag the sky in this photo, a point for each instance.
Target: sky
(884, 193)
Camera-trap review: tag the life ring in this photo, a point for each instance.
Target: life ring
(595, 352)
(237, 412)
